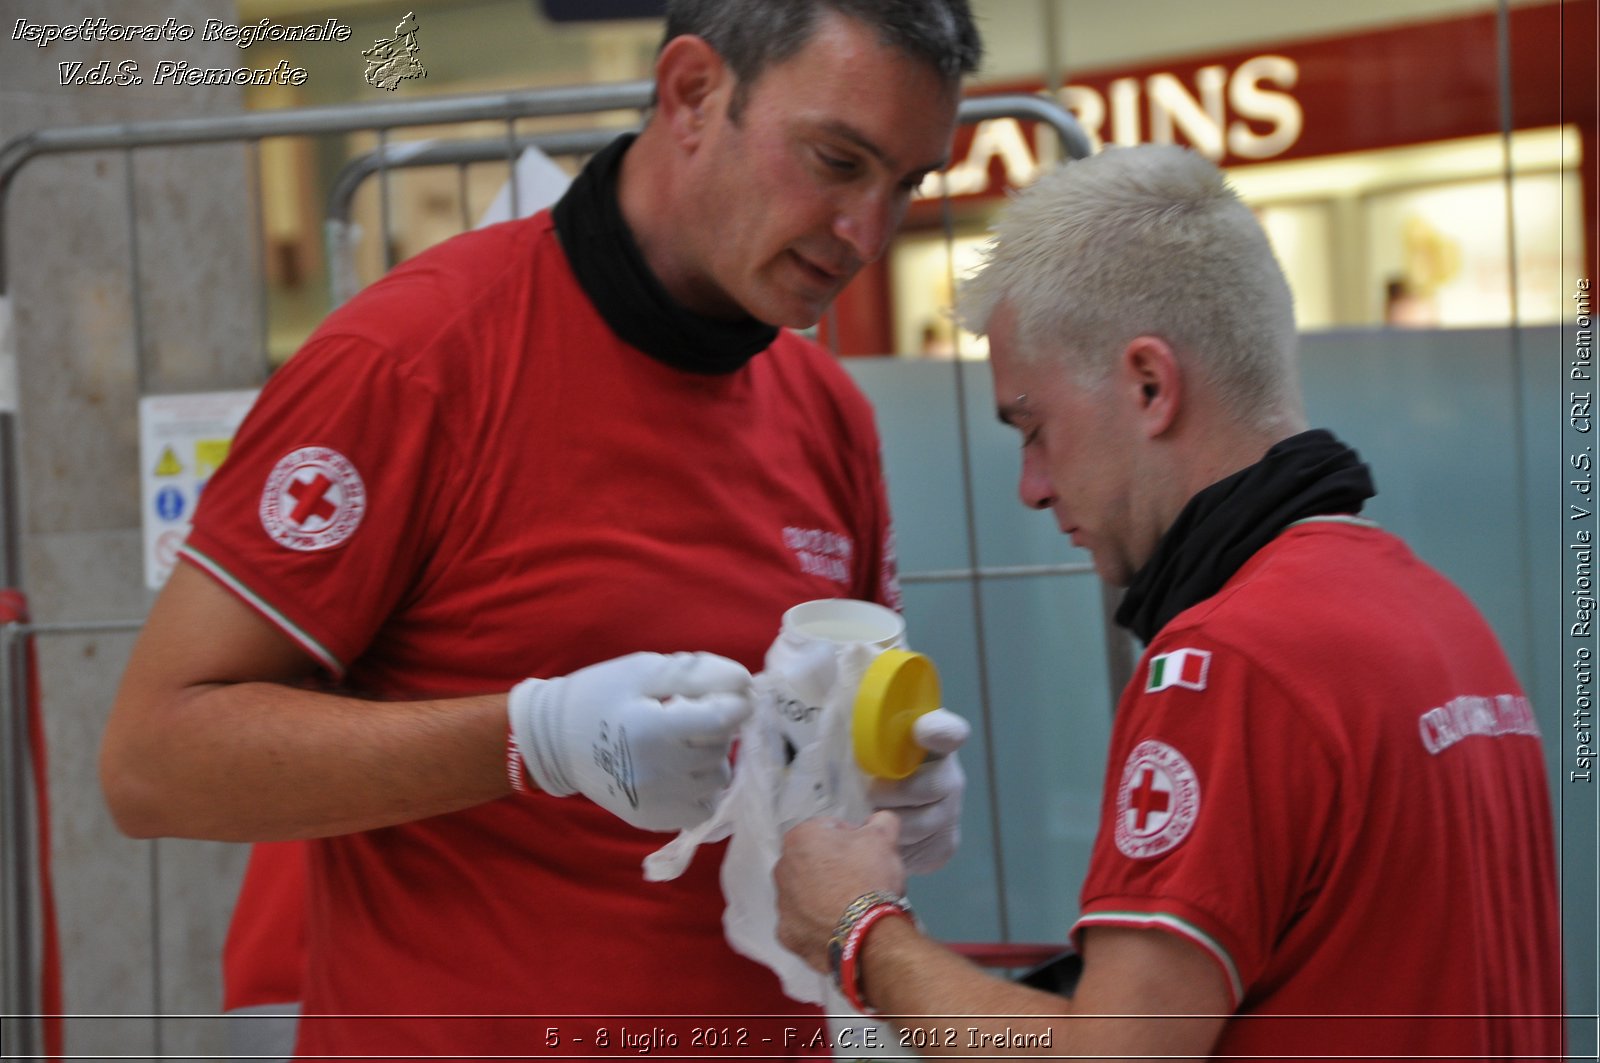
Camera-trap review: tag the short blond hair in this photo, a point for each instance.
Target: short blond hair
(1146, 240)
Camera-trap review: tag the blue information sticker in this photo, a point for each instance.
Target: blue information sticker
(170, 503)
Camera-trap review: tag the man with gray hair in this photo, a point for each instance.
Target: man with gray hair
(472, 605)
(1325, 826)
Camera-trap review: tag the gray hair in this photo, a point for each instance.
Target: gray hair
(752, 35)
(1145, 240)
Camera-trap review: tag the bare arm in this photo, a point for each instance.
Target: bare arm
(1143, 993)
(210, 738)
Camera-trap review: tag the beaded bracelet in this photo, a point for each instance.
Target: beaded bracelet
(844, 947)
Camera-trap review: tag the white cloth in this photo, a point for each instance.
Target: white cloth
(766, 798)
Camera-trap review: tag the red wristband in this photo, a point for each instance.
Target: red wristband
(850, 950)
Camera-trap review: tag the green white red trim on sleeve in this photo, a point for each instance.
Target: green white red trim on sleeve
(215, 570)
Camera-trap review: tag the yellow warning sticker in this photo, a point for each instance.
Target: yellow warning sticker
(169, 465)
(208, 454)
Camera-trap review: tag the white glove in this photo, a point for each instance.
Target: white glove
(646, 736)
(928, 801)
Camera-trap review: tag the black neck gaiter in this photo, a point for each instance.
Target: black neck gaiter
(614, 275)
(1308, 475)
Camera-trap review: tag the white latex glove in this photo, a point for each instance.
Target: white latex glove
(928, 801)
(646, 736)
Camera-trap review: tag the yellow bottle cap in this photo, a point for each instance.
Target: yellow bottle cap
(899, 686)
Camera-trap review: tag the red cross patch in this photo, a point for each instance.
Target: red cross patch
(1157, 802)
(314, 499)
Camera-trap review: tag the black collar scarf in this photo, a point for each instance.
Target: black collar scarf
(1308, 475)
(613, 274)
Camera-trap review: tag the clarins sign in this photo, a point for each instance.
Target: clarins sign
(1409, 83)
(1247, 112)
(1244, 113)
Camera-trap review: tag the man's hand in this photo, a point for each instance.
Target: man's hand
(826, 865)
(928, 801)
(646, 736)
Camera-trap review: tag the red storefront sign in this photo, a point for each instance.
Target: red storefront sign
(1413, 83)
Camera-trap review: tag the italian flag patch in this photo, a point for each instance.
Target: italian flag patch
(1180, 668)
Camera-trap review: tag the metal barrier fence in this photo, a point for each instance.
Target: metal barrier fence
(19, 996)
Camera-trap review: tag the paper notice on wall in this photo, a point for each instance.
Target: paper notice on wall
(182, 440)
(539, 182)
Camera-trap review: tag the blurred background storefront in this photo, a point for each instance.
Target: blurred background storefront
(1420, 163)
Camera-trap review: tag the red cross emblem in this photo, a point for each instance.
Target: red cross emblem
(313, 500)
(1148, 799)
(1157, 802)
(312, 496)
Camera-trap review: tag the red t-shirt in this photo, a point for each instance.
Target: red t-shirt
(1328, 778)
(264, 956)
(465, 479)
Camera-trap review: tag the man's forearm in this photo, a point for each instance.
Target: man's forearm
(943, 1005)
(265, 761)
(1146, 995)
